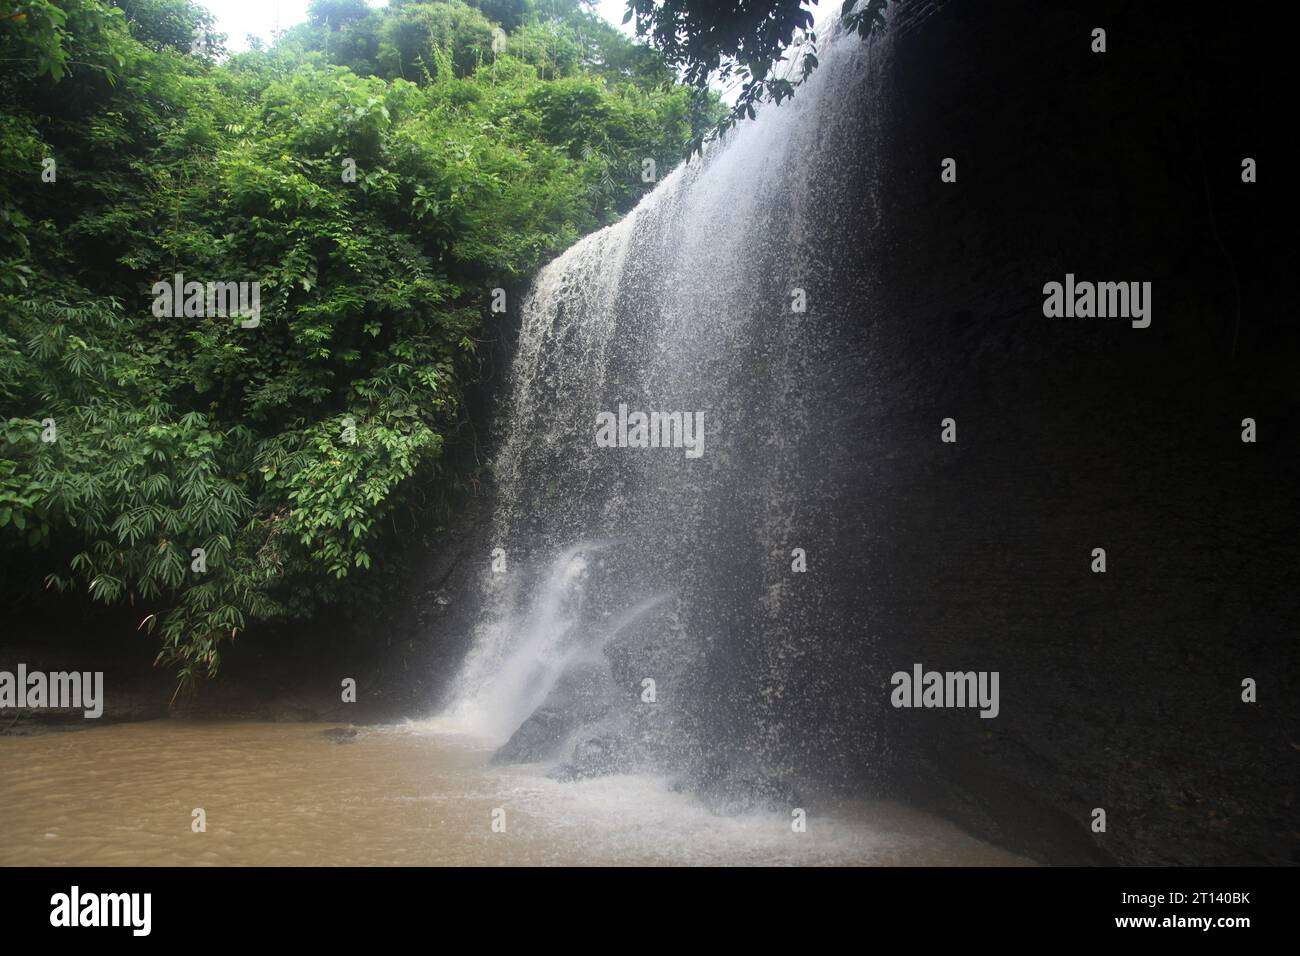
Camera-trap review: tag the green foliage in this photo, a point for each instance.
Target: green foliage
(181, 25)
(289, 453)
(410, 36)
(51, 37)
(337, 13)
(742, 44)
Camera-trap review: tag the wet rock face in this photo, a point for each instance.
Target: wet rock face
(593, 757)
(1119, 690)
(581, 696)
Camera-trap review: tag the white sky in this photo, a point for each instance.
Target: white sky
(238, 18)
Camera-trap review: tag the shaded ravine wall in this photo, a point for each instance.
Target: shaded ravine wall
(1121, 690)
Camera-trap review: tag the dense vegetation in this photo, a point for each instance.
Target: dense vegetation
(212, 472)
(760, 50)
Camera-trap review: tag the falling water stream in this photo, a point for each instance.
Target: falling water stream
(642, 612)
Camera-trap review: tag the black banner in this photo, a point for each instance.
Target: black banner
(1153, 906)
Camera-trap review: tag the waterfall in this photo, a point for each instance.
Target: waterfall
(643, 611)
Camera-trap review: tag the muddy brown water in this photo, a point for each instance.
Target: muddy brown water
(412, 794)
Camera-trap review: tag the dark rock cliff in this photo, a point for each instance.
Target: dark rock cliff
(1119, 690)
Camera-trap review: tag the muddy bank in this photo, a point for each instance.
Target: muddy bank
(399, 651)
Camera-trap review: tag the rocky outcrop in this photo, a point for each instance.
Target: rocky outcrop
(1120, 690)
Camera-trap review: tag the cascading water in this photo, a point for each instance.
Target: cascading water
(644, 611)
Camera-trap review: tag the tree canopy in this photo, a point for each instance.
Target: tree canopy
(741, 43)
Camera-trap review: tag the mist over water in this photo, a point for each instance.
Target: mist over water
(625, 566)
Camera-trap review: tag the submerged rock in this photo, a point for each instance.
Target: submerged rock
(582, 695)
(731, 796)
(594, 757)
